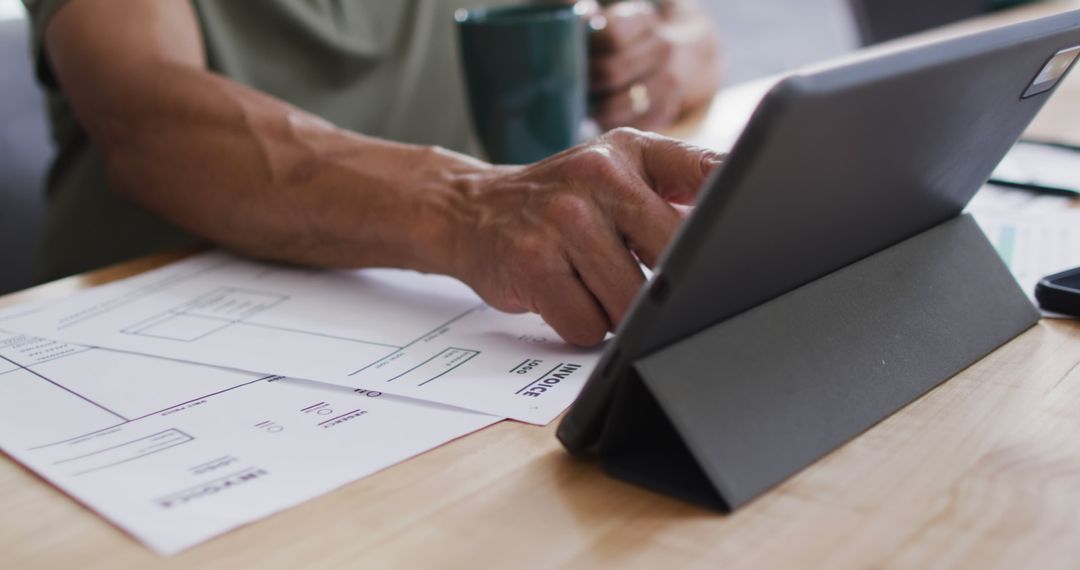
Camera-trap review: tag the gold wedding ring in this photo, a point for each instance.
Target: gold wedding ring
(597, 23)
(639, 99)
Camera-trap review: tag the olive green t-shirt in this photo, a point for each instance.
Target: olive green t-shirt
(386, 68)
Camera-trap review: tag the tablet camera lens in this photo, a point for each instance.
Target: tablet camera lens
(1052, 71)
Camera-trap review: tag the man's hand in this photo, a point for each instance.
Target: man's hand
(649, 64)
(563, 237)
(256, 175)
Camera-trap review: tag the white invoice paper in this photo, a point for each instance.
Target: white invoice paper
(176, 453)
(427, 337)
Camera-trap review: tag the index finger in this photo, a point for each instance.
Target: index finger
(675, 170)
(660, 171)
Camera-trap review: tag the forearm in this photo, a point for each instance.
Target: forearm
(240, 167)
(266, 179)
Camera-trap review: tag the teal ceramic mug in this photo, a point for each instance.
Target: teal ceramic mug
(526, 72)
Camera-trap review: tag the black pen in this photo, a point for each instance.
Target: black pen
(1033, 187)
(1039, 187)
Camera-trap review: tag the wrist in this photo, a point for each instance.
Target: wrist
(442, 218)
(382, 204)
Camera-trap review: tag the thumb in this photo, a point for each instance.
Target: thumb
(676, 170)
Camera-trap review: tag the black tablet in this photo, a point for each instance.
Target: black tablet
(835, 165)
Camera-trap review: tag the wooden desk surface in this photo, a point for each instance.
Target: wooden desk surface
(982, 471)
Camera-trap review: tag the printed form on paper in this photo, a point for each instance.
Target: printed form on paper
(176, 453)
(426, 337)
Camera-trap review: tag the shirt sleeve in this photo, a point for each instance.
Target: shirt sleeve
(41, 11)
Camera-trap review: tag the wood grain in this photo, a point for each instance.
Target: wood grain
(983, 471)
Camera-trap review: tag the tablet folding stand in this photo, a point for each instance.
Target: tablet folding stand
(725, 414)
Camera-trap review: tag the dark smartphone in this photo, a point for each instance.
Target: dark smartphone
(1060, 293)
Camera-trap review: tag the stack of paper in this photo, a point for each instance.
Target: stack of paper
(190, 430)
